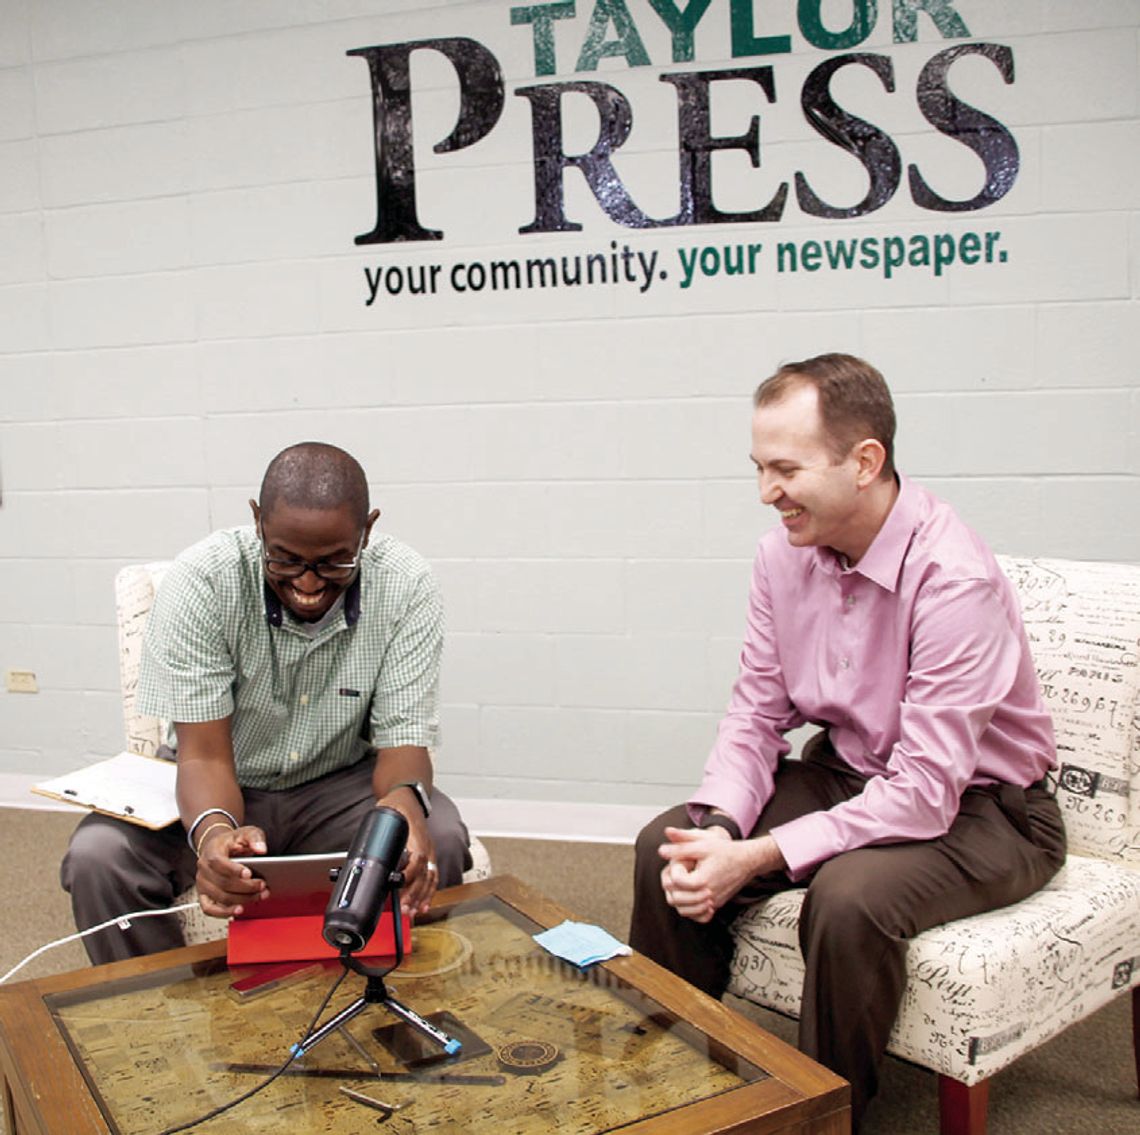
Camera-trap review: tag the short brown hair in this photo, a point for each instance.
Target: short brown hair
(854, 401)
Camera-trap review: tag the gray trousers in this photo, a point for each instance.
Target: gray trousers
(112, 868)
(860, 907)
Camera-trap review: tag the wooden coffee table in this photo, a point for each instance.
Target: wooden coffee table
(139, 1046)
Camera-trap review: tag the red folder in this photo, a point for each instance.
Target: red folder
(298, 939)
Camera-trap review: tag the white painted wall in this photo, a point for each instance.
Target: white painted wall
(180, 297)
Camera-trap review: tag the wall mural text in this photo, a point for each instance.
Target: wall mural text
(612, 31)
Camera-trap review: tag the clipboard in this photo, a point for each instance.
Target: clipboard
(127, 786)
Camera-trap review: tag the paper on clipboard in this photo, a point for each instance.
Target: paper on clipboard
(133, 788)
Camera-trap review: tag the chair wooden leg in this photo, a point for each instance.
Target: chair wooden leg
(962, 1107)
(1136, 1034)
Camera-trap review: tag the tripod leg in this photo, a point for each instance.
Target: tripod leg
(317, 1035)
(451, 1045)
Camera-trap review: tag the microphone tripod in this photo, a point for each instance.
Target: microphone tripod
(376, 993)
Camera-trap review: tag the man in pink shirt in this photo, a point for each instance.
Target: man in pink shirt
(876, 614)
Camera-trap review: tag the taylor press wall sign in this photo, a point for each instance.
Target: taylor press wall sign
(588, 31)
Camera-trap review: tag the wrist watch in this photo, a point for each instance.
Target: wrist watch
(717, 820)
(419, 791)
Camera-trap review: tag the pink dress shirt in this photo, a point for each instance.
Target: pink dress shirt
(915, 660)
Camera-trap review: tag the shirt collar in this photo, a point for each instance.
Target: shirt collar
(275, 612)
(882, 562)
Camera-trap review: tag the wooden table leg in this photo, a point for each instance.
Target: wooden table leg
(9, 1108)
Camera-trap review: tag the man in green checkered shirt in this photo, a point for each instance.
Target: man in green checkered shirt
(298, 661)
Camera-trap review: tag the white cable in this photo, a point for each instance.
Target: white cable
(123, 921)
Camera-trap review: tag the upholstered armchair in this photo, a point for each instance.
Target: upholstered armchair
(985, 990)
(135, 588)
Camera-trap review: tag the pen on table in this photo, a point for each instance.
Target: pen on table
(368, 1101)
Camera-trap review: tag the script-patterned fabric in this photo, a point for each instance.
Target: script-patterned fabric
(135, 586)
(984, 990)
(1083, 621)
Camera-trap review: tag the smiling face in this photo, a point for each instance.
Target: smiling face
(316, 536)
(823, 499)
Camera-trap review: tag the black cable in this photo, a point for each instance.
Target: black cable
(271, 1077)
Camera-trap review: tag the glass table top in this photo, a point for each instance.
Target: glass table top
(546, 1046)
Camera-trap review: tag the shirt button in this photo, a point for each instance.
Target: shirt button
(850, 600)
(845, 664)
(304, 699)
(294, 755)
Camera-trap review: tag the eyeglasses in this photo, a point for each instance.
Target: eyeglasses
(294, 569)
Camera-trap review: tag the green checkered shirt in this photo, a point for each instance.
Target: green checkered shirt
(302, 707)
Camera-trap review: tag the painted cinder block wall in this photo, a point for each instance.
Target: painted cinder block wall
(181, 295)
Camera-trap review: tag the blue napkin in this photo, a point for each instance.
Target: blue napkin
(581, 943)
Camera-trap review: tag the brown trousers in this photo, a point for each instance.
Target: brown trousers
(860, 907)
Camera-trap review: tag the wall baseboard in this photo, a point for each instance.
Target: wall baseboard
(16, 792)
(508, 819)
(552, 819)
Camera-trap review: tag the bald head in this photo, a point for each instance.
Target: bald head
(313, 475)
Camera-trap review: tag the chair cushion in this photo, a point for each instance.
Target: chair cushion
(135, 586)
(480, 862)
(981, 991)
(1083, 622)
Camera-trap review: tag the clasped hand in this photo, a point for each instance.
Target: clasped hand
(705, 867)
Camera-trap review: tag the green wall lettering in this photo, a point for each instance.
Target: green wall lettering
(744, 38)
(628, 42)
(946, 20)
(864, 13)
(681, 24)
(541, 17)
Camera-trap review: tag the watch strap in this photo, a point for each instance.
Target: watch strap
(716, 820)
(418, 791)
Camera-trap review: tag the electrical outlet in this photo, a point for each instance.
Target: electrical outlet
(21, 682)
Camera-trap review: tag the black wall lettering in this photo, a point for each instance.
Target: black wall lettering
(987, 137)
(615, 119)
(697, 146)
(480, 105)
(879, 155)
